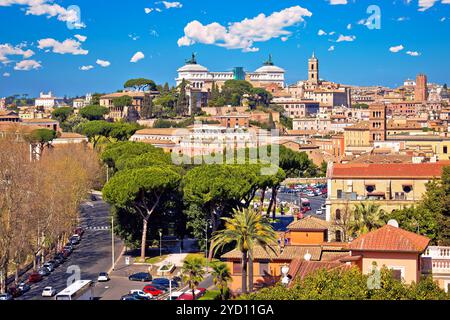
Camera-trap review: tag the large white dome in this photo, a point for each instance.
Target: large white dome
(270, 69)
(193, 68)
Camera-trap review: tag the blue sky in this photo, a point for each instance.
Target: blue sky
(39, 52)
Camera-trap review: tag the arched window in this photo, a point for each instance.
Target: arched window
(338, 214)
(338, 236)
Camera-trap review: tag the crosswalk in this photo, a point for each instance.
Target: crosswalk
(99, 228)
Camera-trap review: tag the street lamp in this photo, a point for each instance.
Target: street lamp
(207, 226)
(160, 245)
(285, 272)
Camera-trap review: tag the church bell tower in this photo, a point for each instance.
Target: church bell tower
(313, 69)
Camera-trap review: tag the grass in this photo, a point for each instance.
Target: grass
(200, 256)
(211, 295)
(152, 260)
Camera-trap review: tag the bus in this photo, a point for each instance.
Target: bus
(305, 205)
(79, 290)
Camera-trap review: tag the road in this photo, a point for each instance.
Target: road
(91, 256)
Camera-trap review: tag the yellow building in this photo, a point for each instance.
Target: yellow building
(428, 145)
(357, 138)
(393, 186)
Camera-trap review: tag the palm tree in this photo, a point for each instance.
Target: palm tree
(193, 273)
(221, 275)
(246, 228)
(366, 217)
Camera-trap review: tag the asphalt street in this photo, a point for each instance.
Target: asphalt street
(92, 256)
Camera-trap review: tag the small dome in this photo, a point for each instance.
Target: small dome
(193, 68)
(270, 69)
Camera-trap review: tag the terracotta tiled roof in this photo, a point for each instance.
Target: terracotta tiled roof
(389, 238)
(308, 223)
(71, 135)
(358, 126)
(158, 131)
(287, 253)
(299, 269)
(393, 170)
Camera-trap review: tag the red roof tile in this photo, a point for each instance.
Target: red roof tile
(393, 170)
(389, 238)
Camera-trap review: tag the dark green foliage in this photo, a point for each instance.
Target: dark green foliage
(93, 112)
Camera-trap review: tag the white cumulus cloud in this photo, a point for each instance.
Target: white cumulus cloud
(103, 63)
(413, 53)
(10, 50)
(69, 46)
(86, 68)
(170, 5)
(6, 74)
(80, 37)
(46, 8)
(396, 49)
(243, 34)
(336, 2)
(331, 48)
(27, 65)
(343, 38)
(321, 33)
(427, 4)
(137, 56)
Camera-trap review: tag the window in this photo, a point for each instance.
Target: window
(264, 268)
(338, 236)
(407, 188)
(339, 194)
(338, 214)
(445, 150)
(397, 273)
(370, 188)
(237, 267)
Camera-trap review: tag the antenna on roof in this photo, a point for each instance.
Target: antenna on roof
(393, 223)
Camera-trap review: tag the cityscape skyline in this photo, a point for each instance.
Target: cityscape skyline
(72, 59)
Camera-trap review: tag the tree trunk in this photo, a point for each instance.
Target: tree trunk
(144, 239)
(16, 276)
(274, 195)
(261, 203)
(250, 273)
(244, 272)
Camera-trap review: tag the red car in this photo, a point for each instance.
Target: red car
(34, 278)
(200, 292)
(79, 231)
(152, 290)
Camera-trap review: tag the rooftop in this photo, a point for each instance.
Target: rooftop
(394, 170)
(309, 223)
(389, 238)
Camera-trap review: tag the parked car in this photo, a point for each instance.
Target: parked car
(200, 292)
(55, 263)
(141, 293)
(79, 231)
(49, 266)
(6, 297)
(175, 295)
(141, 276)
(66, 253)
(319, 212)
(59, 258)
(24, 287)
(48, 292)
(15, 292)
(153, 290)
(165, 282)
(74, 241)
(34, 278)
(103, 277)
(43, 271)
(129, 297)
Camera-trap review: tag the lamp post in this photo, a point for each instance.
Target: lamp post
(207, 227)
(160, 245)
